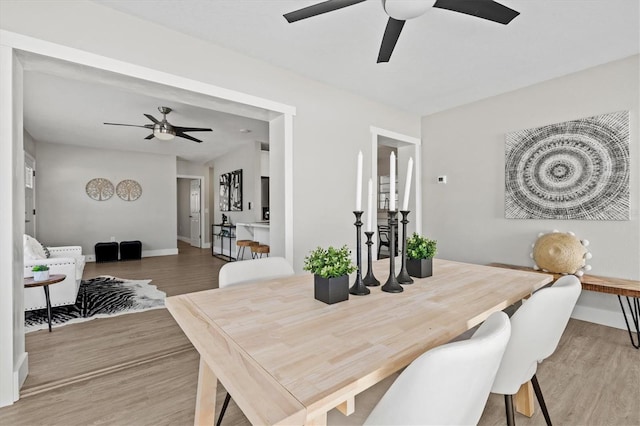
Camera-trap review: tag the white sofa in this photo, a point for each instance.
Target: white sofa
(63, 260)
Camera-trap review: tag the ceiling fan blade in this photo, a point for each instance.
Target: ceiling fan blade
(149, 137)
(390, 38)
(485, 9)
(184, 135)
(146, 126)
(152, 118)
(191, 129)
(319, 9)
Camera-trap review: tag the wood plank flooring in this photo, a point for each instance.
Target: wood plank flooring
(592, 379)
(104, 345)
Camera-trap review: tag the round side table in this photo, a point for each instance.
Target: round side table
(53, 279)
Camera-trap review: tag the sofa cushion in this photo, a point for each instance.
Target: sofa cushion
(33, 249)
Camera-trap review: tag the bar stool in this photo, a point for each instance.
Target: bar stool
(243, 244)
(259, 249)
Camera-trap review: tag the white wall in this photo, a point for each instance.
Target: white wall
(67, 216)
(467, 144)
(330, 127)
(29, 144)
(247, 159)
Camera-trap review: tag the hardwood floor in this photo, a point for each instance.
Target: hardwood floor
(105, 345)
(139, 369)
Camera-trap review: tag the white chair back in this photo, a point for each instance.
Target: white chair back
(448, 385)
(253, 270)
(536, 329)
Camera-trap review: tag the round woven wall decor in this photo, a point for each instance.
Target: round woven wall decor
(129, 190)
(99, 189)
(573, 170)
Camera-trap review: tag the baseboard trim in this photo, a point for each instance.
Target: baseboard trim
(599, 316)
(102, 372)
(145, 253)
(161, 252)
(20, 375)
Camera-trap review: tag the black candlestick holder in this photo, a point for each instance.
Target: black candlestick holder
(370, 280)
(392, 285)
(403, 276)
(358, 288)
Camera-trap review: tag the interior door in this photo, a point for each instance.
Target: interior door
(194, 214)
(29, 195)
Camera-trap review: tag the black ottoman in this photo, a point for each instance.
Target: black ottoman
(130, 250)
(106, 252)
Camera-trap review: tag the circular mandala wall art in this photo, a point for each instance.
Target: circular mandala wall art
(573, 170)
(99, 189)
(129, 190)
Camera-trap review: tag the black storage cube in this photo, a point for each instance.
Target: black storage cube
(106, 252)
(130, 250)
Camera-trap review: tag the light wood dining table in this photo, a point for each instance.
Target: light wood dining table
(287, 359)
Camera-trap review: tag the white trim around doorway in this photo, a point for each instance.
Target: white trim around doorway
(12, 43)
(376, 132)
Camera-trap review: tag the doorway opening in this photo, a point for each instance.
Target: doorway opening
(18, 50)
(404, 148)
(191, 210)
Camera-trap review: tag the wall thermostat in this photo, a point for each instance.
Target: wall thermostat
(442, 179)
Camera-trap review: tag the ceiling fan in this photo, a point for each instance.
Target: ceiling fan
(400, 11)
(164, 130)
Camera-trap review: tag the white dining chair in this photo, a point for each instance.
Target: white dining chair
(233, 273)
(448, 385)
(253, 270)
(536, 328)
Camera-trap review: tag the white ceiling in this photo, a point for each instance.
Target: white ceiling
(68, 104)
(442, 58)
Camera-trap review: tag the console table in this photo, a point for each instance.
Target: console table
(629, 289)
(224, 231)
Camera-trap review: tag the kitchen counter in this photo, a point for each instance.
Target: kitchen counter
(254, 225)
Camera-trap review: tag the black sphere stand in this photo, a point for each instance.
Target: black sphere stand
(370, 280)
(403, 276)
(358, 288)
(392, 285)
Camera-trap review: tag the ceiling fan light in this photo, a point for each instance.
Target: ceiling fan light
(163, 133)
(405, 9)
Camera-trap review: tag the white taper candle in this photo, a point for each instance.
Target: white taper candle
(370, 207)
(359, 183)
(392, 181)
(407, 186)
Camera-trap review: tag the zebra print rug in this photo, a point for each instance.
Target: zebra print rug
(106, 296)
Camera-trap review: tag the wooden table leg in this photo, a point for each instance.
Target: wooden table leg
(524, 400)
(321, 420)
(348, 407)
(206, 396)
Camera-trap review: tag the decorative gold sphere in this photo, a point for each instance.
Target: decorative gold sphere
(559, 252)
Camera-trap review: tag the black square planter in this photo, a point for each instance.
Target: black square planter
(331, 290)
(420, 268)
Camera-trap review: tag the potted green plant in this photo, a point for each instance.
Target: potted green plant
(331, 268)
(420, 252)
(40, 272)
